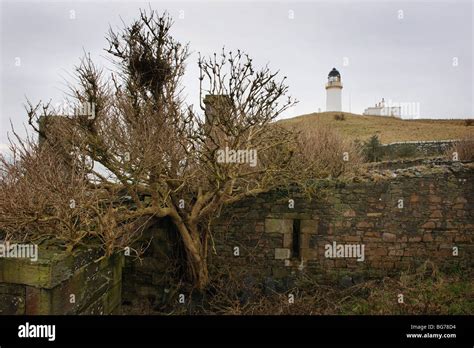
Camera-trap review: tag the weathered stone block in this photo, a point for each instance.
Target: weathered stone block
(349, 213)
(429, 225)
(434, 199)
(414, 198)
(309, 226)
(436, 214)
(287, 240)
(460, 213)
(351, 238)
(58, 289)
(378, 252)
(374, 214)
(51, 268)
(427, 237)
(108, 303)
(389, 237)
(282, 253)
(395, 252)
(365, 224)
(278, 226)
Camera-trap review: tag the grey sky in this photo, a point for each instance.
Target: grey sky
(404, 60)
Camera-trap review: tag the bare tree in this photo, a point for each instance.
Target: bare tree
(144, 142)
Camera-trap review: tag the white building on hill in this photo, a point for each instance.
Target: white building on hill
(381, 109)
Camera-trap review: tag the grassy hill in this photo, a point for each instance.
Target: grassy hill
(388, 129)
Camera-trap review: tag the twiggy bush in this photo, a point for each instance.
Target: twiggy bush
(463, 148)
(326, 153)
(42, 196)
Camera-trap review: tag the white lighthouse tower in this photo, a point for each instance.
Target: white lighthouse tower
(334, 91)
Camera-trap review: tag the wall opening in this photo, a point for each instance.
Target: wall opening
(295, 245)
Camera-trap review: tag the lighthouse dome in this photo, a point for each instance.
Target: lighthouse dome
(334, 73)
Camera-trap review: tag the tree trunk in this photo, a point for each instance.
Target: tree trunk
(199, 273)
(195, 253)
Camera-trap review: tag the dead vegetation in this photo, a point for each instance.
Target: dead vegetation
(326, 153)
(140, 153)
(44, 197)
(425, 290)
(463, 149)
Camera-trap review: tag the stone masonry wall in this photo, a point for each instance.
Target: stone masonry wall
(151, 276)
(403, 218)
(46, 286)
(256, 236)
(419, 148)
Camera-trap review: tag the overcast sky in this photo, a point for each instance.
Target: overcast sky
(405, 51)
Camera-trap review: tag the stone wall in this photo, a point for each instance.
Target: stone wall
(153, 275)
(61, 283)
(416, 148)
(403, 218)
(271, 237)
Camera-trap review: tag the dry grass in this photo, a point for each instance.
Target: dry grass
(327, 153)
(425, 290)
(464, 148)
(388, 129)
